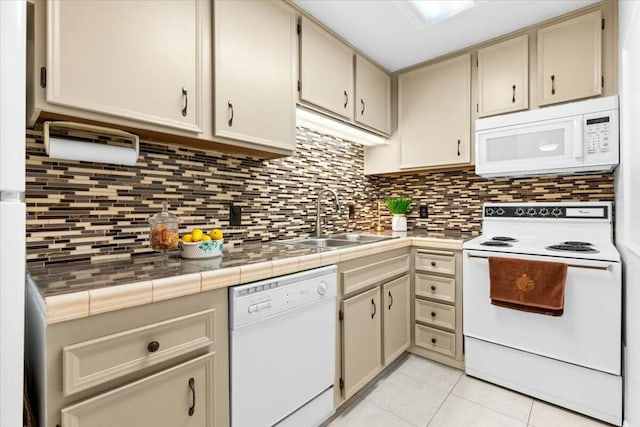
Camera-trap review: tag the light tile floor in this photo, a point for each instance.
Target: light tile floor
(423, 393)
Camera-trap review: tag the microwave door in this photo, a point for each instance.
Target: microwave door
(530, 149)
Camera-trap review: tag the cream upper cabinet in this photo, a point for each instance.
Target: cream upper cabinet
(503, 77)
(361, 340)
(373, 96)
(397, 338)
(255, 92)
(434, 114)
(326, 70)
(570, 59)
(135, 59)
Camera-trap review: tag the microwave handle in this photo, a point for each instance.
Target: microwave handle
(578, 137)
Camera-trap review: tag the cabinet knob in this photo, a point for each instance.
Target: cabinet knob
(433, 263)
(433, 314)
(153, 346)
(433, 288)
(433, 340)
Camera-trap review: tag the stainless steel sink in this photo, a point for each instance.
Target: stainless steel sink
(360, 238)
(336, 241)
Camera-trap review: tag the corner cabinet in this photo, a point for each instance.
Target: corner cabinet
(255, 92)
(373, 318)
(503, 77)
(434, 114)
(137, 60)
(570, 59)
(373, 96)
(326, 70)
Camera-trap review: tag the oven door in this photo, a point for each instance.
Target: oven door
(587, 334)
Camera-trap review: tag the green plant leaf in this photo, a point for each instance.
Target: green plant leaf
(398, 205)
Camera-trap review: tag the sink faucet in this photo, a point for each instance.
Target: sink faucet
(338, 208)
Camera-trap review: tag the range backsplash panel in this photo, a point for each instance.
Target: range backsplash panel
(82, 210)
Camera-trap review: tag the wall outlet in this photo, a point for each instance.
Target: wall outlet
(235, 215)
(424, 213)
(352, 211)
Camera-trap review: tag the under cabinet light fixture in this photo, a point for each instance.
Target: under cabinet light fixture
(335, 128)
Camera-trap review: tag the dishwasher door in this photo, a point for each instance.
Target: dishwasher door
(286, 358)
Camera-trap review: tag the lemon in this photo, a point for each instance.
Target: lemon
(187, 238)
(206, 238)
(216, 234)
(197, 235)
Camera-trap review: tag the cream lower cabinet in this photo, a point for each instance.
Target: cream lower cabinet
(362, 339)
(155, 365)
(373, 328)
(437, 306)
(180, 396)
(434, 114)
(255, 50)
(570, 59)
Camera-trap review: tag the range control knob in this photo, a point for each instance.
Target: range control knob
(500, 211)
(544, 212)
(519, 211)
(489, 212)
(556, 212)
(531, 212)
(322, 287)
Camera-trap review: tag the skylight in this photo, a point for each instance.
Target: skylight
(438, 10)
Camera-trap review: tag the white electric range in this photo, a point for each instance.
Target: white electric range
(573, 360)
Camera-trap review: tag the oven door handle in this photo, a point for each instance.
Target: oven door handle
(592, 267)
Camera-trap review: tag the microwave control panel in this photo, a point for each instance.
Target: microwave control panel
(598, 134)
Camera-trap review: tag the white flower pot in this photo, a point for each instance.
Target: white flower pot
(399, 223)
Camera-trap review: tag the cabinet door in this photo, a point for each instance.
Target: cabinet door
(434, 114)
(569, 59)
(326, 70)
(180, 396)
(396, 320)
(134, 59)
(503, 77)
(361, 340)
(255, 45)
(373, 96)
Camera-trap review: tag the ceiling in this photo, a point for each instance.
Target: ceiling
(390, 32)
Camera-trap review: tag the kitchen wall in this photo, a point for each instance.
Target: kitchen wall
(82, 210)
(454, 198)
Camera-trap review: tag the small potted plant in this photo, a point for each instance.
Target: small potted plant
(398, 206)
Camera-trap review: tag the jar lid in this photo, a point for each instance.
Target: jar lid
(165, 216)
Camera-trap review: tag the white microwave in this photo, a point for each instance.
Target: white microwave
(577, 137)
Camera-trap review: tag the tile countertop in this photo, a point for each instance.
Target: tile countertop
(80, 289)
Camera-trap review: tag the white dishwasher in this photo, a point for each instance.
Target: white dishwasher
(282, 349)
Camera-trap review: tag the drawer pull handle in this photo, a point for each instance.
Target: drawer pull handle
(433, 263)
(433, 288)
(390, 300)
(230, 105)
(153, 346)
(458, 147)
(375, 309)
(346, 99)
(192, 386)
(433, 314)
(553, 85)
(513, 98)
(362, 111)
(433, 340)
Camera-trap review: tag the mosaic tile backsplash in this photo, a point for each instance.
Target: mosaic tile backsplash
(82, 210)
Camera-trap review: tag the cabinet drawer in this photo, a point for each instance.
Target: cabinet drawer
(179, 396)
(436, 287)
(436, 261)
(361, 277)
(89, 363)
(436, 314)
(436, 340)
